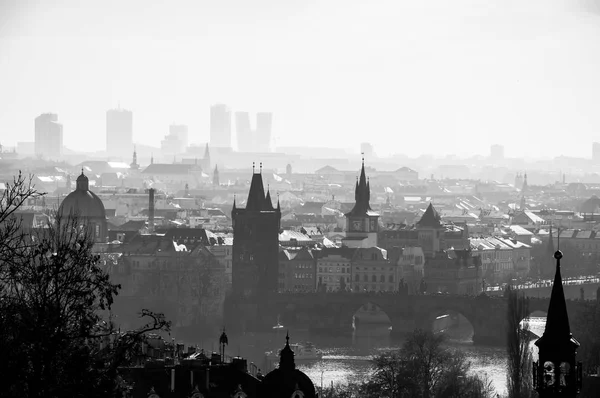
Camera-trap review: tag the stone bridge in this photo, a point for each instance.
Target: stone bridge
(333, 312)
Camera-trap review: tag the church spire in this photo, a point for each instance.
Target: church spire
(286, 357)
(362, 194)
(557, 321)
(268, 201)
(134, 164)
(557, 374)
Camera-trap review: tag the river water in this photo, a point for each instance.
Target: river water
(348, 358)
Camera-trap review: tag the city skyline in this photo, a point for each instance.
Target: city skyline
(465, 76)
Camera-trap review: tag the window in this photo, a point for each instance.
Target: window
(365, 277)
(391, 279)
(356, 278)
(373, 278)
(382, 279)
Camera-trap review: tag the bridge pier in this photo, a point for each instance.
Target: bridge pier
(402, 328)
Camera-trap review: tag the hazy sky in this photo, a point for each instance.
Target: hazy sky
(433, 76)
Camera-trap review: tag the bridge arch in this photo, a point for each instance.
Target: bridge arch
(442, 318)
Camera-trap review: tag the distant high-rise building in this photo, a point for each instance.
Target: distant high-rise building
(245, 135)
(181, 132)
(497, 152)
(596, 152)
(262, 136)
(175, 143)
(220, 126)
(119, 132)
(48, 136)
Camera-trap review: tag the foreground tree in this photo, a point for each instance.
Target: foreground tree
(424, 367)
(56, 338)
(519, 354)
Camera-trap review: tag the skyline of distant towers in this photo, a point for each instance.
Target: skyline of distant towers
(176, 141)
(243, 130)
(220, 126)
(119, 132)
(48, 139)
(253, 140)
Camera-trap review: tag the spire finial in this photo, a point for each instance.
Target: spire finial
(558, 241)
(253, 165)
(287, 337)
(82, 171)
(260, 167)
(363, 158)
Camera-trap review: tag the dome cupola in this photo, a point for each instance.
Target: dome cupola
(87, 206)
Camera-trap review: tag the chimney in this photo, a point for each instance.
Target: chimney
(151, 210)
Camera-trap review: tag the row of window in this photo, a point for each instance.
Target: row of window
(374, 278)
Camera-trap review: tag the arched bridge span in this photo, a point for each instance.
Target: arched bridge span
(333, 312)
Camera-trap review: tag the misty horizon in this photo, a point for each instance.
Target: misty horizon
(407, 77)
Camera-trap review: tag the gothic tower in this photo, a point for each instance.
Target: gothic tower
(362, 223)
(255, 261)
(216, 181)
(206, 159)
(134, 164)
(557, 374)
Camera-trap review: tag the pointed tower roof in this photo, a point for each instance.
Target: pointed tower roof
(256, 195)
(268, 201)
(278, 204)
(362, 196)
(286, 356)
(431, 218)
(557, 334)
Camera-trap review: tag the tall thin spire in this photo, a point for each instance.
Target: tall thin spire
(558, 330)
(286, 356)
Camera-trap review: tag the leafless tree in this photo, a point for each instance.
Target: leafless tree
(53, 297)
(519, 379)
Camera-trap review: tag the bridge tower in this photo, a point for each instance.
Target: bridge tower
(557, 374)
(430, 229)
(362, 223)
(255, 255)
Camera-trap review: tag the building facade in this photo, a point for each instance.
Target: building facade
(220, 126)
(48, 136)
(119, 132)
(334, 269)
(362, 223)
(372, 271)
(255, 258)
(297, 270)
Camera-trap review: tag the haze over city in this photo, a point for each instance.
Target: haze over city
(412, 77)
(305, 199)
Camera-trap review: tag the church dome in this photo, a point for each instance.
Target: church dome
(82, 201)
(287, 381)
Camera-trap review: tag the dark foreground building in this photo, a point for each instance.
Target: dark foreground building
(557, 373)
(217, 376)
